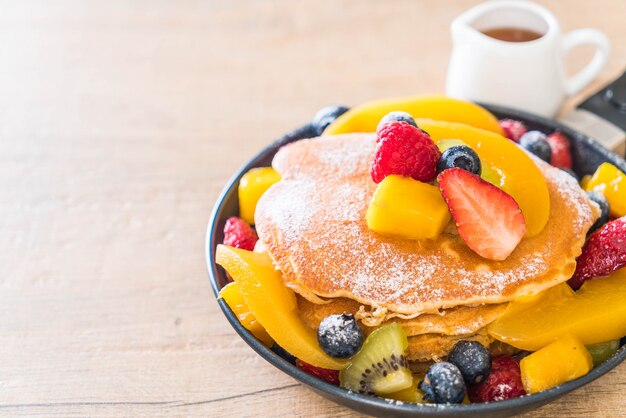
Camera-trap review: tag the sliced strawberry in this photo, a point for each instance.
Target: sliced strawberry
(561, 154)
(603, 253)
(330, 376)
(488, 219)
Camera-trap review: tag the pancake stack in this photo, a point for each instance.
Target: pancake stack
(312, 223)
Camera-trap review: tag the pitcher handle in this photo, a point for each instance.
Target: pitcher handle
(585, 76)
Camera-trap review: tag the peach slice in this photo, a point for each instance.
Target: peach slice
(233, 297)
(517, 173)
(273, 304)
(594, 314)
(365, 117)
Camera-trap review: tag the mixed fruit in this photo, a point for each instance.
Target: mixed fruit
(457, 170)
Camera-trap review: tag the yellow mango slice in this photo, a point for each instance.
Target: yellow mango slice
(233, 297)
(596, 313)
(407, 208)
(611, 182)
(517, 174)
(365, 117)
(273, 304)
(559, 362)
(251, 187)
(411, 394)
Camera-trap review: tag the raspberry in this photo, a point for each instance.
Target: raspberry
(330, 376)
(603, 253)
(239, 234)
(504, 382)
(561, 154)
(404, 150)
(513, 129)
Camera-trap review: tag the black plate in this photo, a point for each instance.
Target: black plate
(587, 155)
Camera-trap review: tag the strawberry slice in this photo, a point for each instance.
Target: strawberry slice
(488, 219)
(603, 253)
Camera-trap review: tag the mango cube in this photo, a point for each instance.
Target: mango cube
(251, 187)
(407, 208)
(611, 182)
(559, 362)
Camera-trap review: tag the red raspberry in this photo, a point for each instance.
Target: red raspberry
(603, 253)
(404, 150)
(330, 376)
(561, 154)
(513, 129)
(504, 382)
(239, 234)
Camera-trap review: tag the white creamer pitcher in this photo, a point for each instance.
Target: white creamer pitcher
(526, 75)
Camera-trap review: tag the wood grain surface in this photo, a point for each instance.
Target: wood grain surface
(120, 121)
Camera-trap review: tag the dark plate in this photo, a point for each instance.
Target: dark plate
(587, 155)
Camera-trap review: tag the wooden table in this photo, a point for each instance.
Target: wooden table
(120, 121)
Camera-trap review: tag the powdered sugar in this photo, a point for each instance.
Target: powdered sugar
(313, 223)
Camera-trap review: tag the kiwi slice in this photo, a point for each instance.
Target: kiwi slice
(380, 367)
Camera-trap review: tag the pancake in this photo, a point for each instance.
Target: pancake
(313, 225)
(436, 347)
(462, 320)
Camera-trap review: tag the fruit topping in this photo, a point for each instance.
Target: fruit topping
(559, 362)
(325, 117)
(411, 394)
(407, 208)
(536, 143)
(397, 116)
(596, 313)
(611, 182)
(443, 383)
(340, 335)
(405, 150)
(561, 153)
(365, 117)
(273, 304)
(603, 253)
(327, 375)
(487, 219)
(460, 156)
(233, 297)
(605, 210)
(602, 351)
(238, 234)
(251, 187)
(380, 367)
(504, 382)
(513, 129)
(516, 173)
(472, 359)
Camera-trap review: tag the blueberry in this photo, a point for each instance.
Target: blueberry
(340, 335)
(472, 359)
(535, 142)
(397, 115)
(460, 156)
(283, 353)
(443, 383)
(604, 208)
(326, 116)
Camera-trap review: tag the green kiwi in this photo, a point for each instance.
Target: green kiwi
(380, 367)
